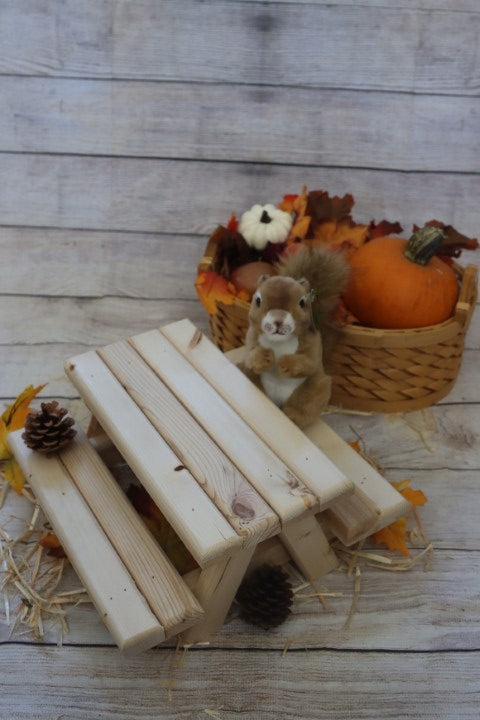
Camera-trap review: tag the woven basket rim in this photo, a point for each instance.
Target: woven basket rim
(372, 336)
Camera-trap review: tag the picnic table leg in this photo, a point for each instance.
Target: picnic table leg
(308, 546)
(215, 590)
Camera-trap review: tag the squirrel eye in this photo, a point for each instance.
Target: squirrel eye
(258, 300)
(302, 302)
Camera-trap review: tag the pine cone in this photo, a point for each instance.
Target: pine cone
(265, 597)
(48, 430)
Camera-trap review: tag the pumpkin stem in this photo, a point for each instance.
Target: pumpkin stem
(265, 217)
(423, 244)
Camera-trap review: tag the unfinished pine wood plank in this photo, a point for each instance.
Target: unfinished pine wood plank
(103, 118)
(308, 547)
(201, 527)
(65, 191)
(158, 581)
(216, 589)
(242, 506)
(284, 491)
(373, 496)
(121, 606)
(425, 57)
(287, 441)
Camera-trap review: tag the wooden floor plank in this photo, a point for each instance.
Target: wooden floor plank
(76, 263)
(155, 120)
(262, 47)
(435, 599)
(142, 195)
(310, 685)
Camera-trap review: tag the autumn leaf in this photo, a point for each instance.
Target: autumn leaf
(232, 223)
(212, 287)
(415, 497)
(232, 249)
(341, 234)
(13, 418)
(161, 529)
(355, 444)
(394, 536)
(14, 475)
(52, 544)
(15, 415)
(383, 228)
(4, 449)
(287, 204)
(300, 228)
(320, 207)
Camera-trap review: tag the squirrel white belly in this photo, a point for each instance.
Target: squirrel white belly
(276, 387)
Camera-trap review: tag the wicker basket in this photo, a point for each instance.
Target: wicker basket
(375, 370)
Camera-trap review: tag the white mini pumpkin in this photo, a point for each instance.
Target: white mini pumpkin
(263, 224)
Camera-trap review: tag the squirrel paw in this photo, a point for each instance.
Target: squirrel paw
(260, 359)
(291, 366)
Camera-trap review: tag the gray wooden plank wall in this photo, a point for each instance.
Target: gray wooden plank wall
(129, 130)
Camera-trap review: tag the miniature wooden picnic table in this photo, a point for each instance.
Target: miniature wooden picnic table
(234, 477)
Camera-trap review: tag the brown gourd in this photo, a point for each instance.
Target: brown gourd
(396, 284)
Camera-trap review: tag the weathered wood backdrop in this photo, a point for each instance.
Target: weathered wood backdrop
(128, 130)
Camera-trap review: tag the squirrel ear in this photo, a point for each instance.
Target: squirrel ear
(304, 282)
(262, 279)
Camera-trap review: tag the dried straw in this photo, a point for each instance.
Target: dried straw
(30, 579)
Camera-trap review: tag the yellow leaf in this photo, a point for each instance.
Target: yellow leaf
(15, 415)
(4, 449)
(393, 536)
(14, 475)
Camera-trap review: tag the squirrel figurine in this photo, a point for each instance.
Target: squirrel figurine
(290, 326)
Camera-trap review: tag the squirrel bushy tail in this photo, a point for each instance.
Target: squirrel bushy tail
(327, 272)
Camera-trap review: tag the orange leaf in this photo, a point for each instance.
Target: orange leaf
(211, 287)
(355, 444)
(232, 223)
(15, 415)
(393, 536)
(299, 228)
(287, 203)
(52, 544)
(414, 497)
(340, 234)
(13, 475)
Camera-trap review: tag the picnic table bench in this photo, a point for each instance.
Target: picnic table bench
(234, 477)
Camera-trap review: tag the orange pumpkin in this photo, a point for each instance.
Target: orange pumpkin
(397, 283)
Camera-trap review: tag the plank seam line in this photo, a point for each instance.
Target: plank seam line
(209, 648)
(237, 83)
(102, 297)
(239, 161)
